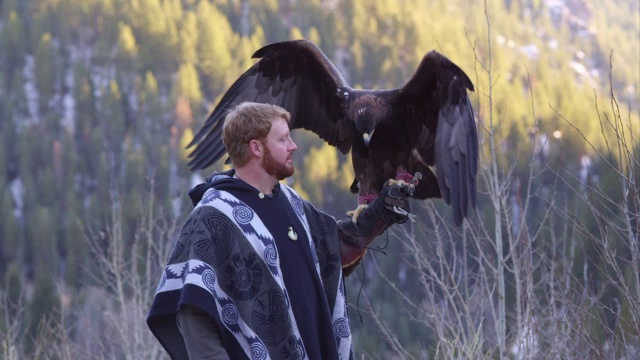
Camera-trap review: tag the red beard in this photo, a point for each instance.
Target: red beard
(280, 171)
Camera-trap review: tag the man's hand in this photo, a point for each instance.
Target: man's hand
(396, 200)
(390, 207)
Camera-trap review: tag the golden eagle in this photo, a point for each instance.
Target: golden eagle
(391, 133)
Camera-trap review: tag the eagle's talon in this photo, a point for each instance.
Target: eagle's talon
(403, 212)
(355, 213)
(407, 178)
(399, 182)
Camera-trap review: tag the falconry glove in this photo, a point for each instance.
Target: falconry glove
(392, 206)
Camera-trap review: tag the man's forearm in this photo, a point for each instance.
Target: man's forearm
(201, 334)
(354, 243)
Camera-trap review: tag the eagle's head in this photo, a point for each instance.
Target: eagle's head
(367, 110)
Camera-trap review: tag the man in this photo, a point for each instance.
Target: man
(257, 272)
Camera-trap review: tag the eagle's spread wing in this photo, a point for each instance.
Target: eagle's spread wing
(295, 75)
(436, 97)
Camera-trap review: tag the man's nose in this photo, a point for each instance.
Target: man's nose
(292, 146)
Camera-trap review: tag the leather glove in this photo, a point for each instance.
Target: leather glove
(392, 206)
(396, 202)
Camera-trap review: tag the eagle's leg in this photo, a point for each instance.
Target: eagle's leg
(363, 203)
(404, 178)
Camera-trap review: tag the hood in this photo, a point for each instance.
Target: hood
(221, 181)
(217, 180)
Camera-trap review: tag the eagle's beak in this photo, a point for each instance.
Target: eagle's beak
(367, 138)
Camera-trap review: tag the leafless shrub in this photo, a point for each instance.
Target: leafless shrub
(107, 319)
(10, 330)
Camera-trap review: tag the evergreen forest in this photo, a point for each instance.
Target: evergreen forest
(99, 98)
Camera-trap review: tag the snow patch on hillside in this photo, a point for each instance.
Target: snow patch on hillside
(30, 91)
(17, 193)
(68, 104)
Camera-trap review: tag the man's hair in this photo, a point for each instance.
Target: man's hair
(246, 122)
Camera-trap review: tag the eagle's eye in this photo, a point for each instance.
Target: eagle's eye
(346, 94)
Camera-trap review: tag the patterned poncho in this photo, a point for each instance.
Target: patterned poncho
(272, 298)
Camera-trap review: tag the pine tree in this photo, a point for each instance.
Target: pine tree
(72, 243)
(151, 116)
(188, 85)
(324, 161)
(157, 35)
(215, 41)
(45, 72)
(75, 242)
(155, 123)
(13, 287)
(43, 242)
(12, 47)
(128, 47)
(7, 246)
(113, 123)
(42, 308)
(189, 39)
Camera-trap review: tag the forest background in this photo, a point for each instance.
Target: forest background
(98, 99)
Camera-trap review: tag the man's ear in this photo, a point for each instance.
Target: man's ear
(255, 147)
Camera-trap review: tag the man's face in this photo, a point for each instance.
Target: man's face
(278, 150)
